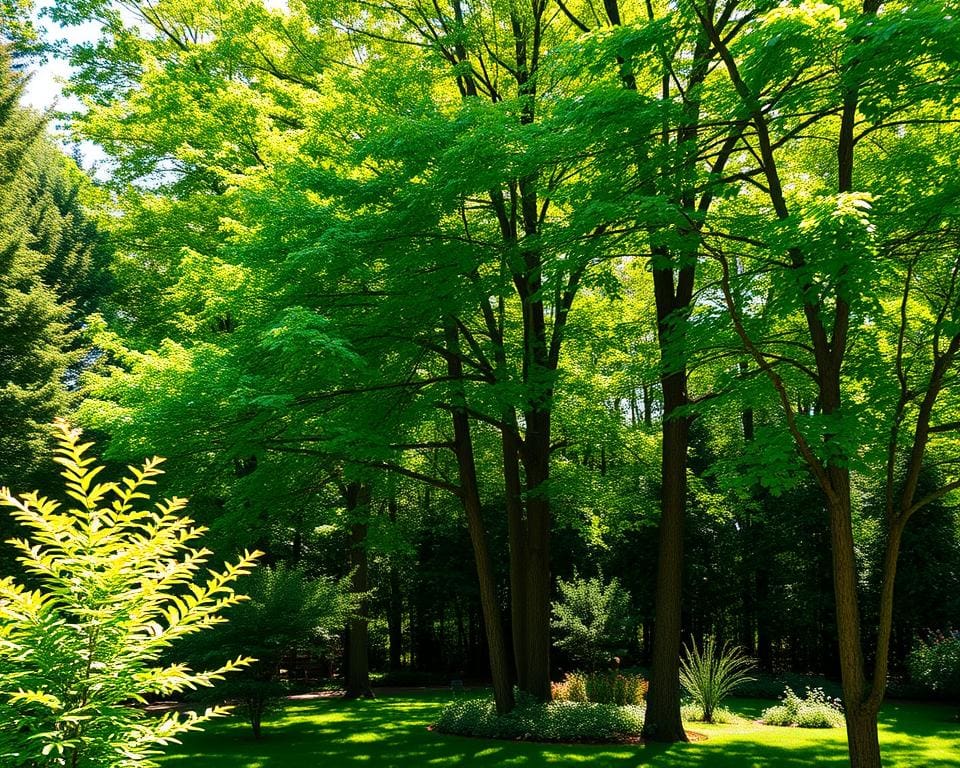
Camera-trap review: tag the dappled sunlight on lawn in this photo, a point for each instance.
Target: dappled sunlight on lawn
(391, 732)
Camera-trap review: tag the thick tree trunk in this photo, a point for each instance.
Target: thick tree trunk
(673, 294)
(662, 722)
(517, 538)
(358, 663)
(470, 497)
(863, 739)
(862, 736)
(537, 571)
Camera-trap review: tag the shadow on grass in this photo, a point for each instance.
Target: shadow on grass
(392, 733)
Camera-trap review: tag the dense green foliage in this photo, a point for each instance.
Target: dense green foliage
(459, 301)
(306, 241)
(591, 620)
(51, 266)
(568, 721)
(111, 587)
(935, 663)
(284, 612)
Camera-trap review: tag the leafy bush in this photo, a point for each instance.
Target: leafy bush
(710, 676)
(591, 619)
(815, 710)
(285, 611)
(112, 586)
(601, 688)
(935, 664)
(536, 721)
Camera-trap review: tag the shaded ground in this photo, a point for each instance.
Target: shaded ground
(391, 732)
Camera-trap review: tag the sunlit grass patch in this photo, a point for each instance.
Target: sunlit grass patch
(391, 732)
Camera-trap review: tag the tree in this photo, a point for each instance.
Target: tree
(35, 334)
(665, 171)
(357, 498)
(853, 260)
(114, 587)
(52, 259)
(377, 250)
(526, 284)
(285, 611)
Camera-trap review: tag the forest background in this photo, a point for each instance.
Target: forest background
(459, 299)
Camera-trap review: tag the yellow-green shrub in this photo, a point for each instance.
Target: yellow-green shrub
(111, 586)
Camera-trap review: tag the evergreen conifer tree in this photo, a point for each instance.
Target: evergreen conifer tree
(47, 251)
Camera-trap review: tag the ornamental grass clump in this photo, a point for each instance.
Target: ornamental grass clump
(710, 675)
(110, 587)
(815, 710)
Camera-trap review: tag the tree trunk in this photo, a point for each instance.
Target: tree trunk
(662, 722)
(517, 537)
(442, 656)
(358, 663)
(395, 611)
(256, 721)
(461, 638)
(673, 295)
(537, 570)
(470, 497)
(862, 739)
(748, 623)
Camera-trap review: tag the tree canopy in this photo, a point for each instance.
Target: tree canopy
(456, 302)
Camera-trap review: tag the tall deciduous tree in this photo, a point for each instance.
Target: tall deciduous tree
(852, 247)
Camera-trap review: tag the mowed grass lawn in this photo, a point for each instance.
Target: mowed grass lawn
(391, 732)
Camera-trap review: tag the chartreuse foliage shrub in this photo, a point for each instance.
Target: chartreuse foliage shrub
(109, 587)
(601, 688)
(538, 721)
(711, 674)
(815, 710)
(935, 664)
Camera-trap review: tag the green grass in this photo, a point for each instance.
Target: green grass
(391, 732)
